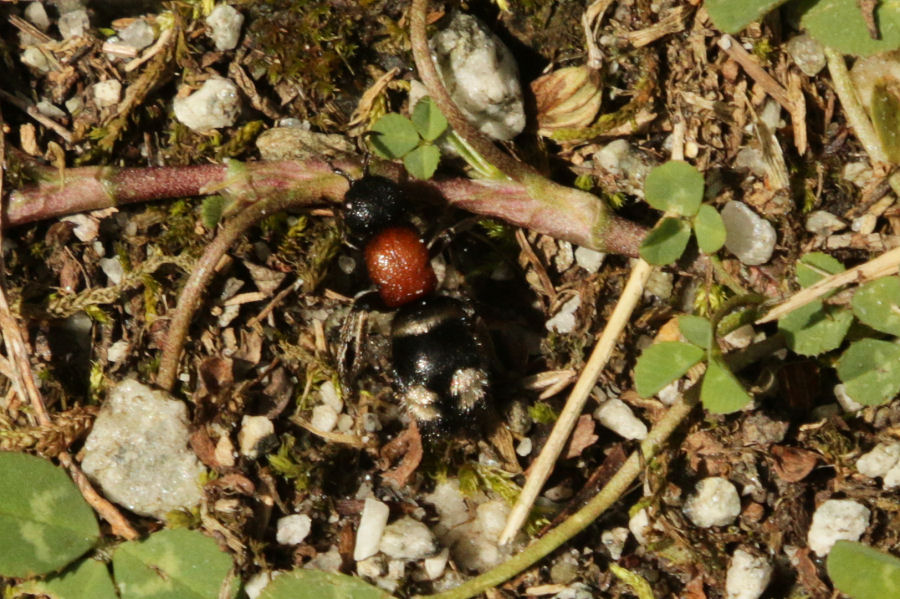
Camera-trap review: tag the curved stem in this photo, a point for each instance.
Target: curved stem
(203, 272)
(580, 520)
(425, 65)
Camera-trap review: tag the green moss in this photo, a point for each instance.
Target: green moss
(542, 413)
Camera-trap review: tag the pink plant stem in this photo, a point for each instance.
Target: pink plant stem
(579, 218)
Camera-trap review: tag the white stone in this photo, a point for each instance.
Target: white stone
(617, 416)
(821, 222)
(138, 451)
(371, 526)
(107, 93)
(224, 452)
(474, 544)
(836, 520)
(50, 109)
(293, 529)
(715, 502)
(117, 352)
(659, 284)
(881, 460)
(614, 541)
(741, 337)
(892, 477)
(113, 269)
(74, 105)
(34, 58)
(848, 403)
(449, 503)
(372, 567)
(808, 54)
(748, 576)
(564, 320)
(622, 160)
(588, 259)
(324, 418)
(670, 393)
(435, 565)
(329, 561)
(73, 24)
(259, 581)
(524, 447)
(748, 236)
(254, 429)
(138, 34)
(481, 75)
(216, 104)
(407, 538)
(37, 15)
(224, 23)
(639, 525)
(330, 396)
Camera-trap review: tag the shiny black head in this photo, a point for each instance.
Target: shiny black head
(441, 368)
(372, 204)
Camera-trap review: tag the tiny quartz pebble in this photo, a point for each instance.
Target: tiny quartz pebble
(371, 526)
(748, 236)
(214, 105)
(835, 520)
(884, 462)
(408, 539)
(715, 502)
(293, 529)
(748, 576)
(617, 416)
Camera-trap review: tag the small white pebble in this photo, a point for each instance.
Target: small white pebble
(435, 565)
(617, 416)
(614, 541)
(807, 53)
(214, 105)
(835, 520)
(138, 34)
(848, 403)
(117, 352)
(37, 15)
(259, 581)
(715, 502)
(35, 59)
(371, 526)
(224, 453)
(324, 418)
(293, 529)
(225, 23)
(639, 525)
(407, 538)
(880, 460)
(524, 447)
(372, 567)
(670, 393)
(864, 224)
(329, 395)
(253, 430)
(822, 222)
(748, 576)
(113, 269)
(73, 24)
(748, 236)
(564, 320)
(449, 503)
(588, 259)
(741, 337)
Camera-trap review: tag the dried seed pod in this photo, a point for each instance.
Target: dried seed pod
(568, 98)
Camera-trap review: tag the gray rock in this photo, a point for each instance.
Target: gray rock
(73, 24)
(481, 75)
(137, 451)
(748, 236)
(807, 53)
(215, 104)
(715, 502)
(139, 34)
(408, 539)
(821, 222)
(225, 23)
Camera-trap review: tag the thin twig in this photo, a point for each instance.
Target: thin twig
(607, 496)
(192, 294)
(886, 264)
(540, 469)
(734, 50)
(856, 114)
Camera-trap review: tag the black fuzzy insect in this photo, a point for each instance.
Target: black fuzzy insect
(441, 369)
(372, 204)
